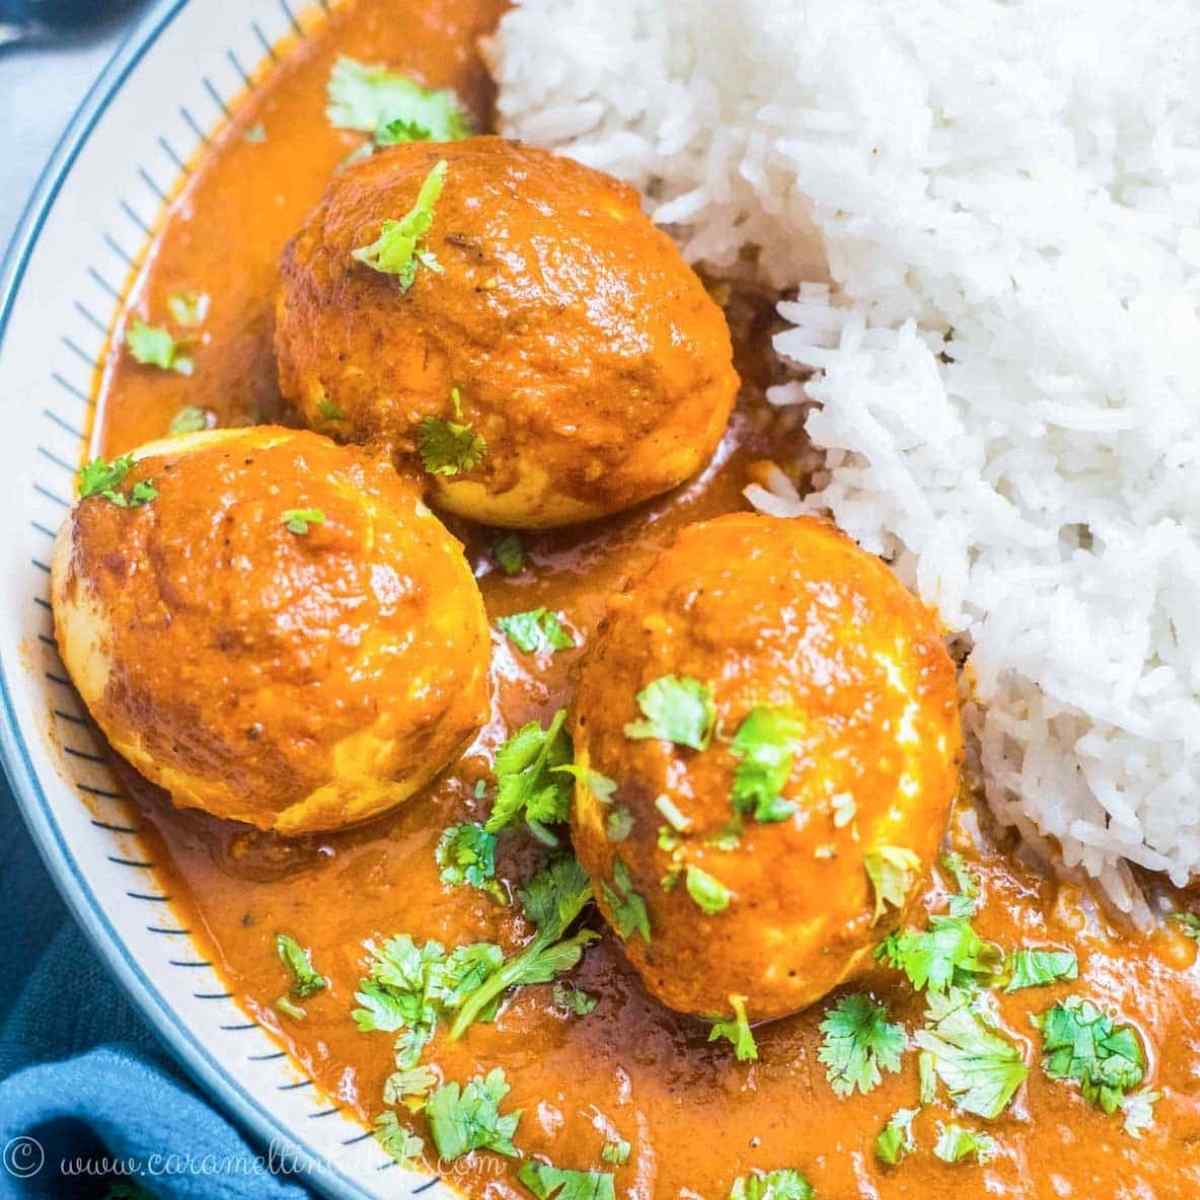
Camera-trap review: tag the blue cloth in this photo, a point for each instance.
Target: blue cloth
(83, 1076)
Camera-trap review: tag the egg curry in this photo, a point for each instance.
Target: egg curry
(580, 830)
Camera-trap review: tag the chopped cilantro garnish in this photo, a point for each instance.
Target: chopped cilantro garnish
(629, 911)
(859, 1041)
(616, 1152)
(709, 893)
(551, 1183)
(892, 871)
(188, 308)
(509, 553)
(398, 251)
(956, 1144)
(552, 901)
(189, 419)
(966, 901)
(574, 1000)
(466, 1119)
(467, 855)
(373, 99)
(328, 411)
(535, 631)
(896, 1140)
(737, 1031)
(528, 783)
(1189, 924)
(449, 447)
(926, 1078)
(399, 1143)
(765, 743)
(672, 814)
(306, 981)
(100, 478)
(1082, 1043)
(1037, 968)
(980, 1068)
(153, 346)
(298, 520)
(772, 1185)
(676, 709)
(601, 786)
(413, 1084)
(947, 954)
(289, 1008)
(618, 825)
(1139, 1111)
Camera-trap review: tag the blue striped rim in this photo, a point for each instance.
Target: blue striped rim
(31, 797)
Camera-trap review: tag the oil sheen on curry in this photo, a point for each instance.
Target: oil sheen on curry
(584, 832)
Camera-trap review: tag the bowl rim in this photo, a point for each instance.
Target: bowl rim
(214, 1080)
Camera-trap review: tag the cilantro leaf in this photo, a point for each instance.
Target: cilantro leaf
(1037, 968)
(448, 447)
(412, 1084)
(947, 954)
(467, 855)
(298, 520)
(306, 981)
(896, 1140)
(535, 631)
(858, 1042)
(509, 553)
(629, 912)
(100, 478)
(397, 251)
(574, 1000)
(773, 1185)
(616, 1152)
(466, 1119)
(601, 786)
(372, 99)
(1188, 922)
(545, 1181)
(981, 1069)
(527, 780)
(153, 346)
(676, 709)
(765, 743)
(553, 899)
(398, 1143)
(1139, 1112)
(709, 893)
(956, 1144)
(1081, 1043)
(967, 901)
(737, 1031)
(191, 419)
(892, 871)
(188, 308)
(619, 824)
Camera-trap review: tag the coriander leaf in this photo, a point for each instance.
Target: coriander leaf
(509, 553)
(298, 520)
(956, 1144)
(981, 1069)
(448, 448)
(1189, 924)
(967, 901)
(413, 1084)
(401, 1145)
(373, 99)
(100, 478)
(466, 1119)
(672, 813)
(574, 1000)
(892, 871)
(190, 419)
(1081, 1043)
(896, 1140)
(629, 912)
(765, 742)
(773, 1185)
(709, 894)
(1139, 1111)
(306, 982)
(153, 346)
(188, 308)
(858, 1042)
(737, 1031)
(545, 1182)
(676, 709)
(466, 970)
(926, 1078)
(947, 954)
(536, 631)
(1037, 968)
(467, 855)
(528, 783)
(285, 1005)
(397, 251)
(618, 825)
(599, 785)
(616, 1153)
(553, 899)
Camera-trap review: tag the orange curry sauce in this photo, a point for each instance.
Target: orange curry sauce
(696, 1119)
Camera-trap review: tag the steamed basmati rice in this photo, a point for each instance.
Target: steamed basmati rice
(1006, 199)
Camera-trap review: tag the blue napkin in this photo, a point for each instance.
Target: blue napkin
(82, 1078)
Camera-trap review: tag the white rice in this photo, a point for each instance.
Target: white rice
(1006, 196)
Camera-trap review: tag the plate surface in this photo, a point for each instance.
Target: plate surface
(83, 235)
